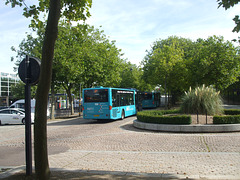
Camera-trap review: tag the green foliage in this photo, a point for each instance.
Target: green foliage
(229, 119)
(177, 63)
(202, 100)
(131, 77)
(84, 55)
(214, 62)
(164, 64)
(73, 10)
(228, 4)
(160, 112)
(232, 111)
(18, 90)
(232, 116)
(158, 117)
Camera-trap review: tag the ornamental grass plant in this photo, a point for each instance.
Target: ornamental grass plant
(202, 100)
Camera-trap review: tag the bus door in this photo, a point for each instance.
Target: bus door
(116, 113)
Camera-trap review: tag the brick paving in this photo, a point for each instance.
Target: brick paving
(119, 148)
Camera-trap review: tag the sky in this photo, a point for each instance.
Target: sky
(134, 24)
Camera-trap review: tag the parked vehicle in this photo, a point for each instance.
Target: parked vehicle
(21, 104)
(3, 107)
(12, 116)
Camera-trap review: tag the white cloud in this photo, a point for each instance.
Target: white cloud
(136, 24)
(13, 27)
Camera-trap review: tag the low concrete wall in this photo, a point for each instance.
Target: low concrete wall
(188, 128)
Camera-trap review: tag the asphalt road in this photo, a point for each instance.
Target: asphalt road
(78, 144)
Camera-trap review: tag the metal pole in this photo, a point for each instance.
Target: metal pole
(28, 133)
(206, 117)
(80, 108)
(80, 97)
(197, 118)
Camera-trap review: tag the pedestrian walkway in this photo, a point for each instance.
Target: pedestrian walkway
(195, 165)
(165, 165)
(227, 106)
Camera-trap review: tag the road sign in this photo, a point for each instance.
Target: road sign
(29, 72)
(34, 71)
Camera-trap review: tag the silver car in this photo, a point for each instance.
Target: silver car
(12, 116)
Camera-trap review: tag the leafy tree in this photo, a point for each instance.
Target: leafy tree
(71, 10)
(177, 63)
(101, 60)
(142, 84)
(30, 46)
(129, 76)
(18, 90)
(164, 65)
(84, 55)
(214, 62)
(228, 4)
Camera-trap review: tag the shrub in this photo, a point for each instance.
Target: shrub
(158, 112)
(229, 119)
(202, 100)
(232, 111)
(158, 117)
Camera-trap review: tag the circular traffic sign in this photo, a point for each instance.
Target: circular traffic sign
(34, 71)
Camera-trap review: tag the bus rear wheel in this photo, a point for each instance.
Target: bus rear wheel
(122, 115)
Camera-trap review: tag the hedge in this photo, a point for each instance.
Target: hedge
(158, 118)
(155, 116)
(232, 116)
(158, 112)
(228, 119)
(232, 111)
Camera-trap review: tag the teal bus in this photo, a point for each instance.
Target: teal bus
(108, 103)
(151, 99)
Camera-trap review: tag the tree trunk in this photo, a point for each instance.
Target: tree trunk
(40, 126)
(53, 100)
(70, 100)
(166, 103)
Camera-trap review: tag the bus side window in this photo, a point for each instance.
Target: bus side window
(114, 102)
(114, 98)
(122, 101)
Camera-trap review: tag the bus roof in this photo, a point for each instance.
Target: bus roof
(101, 87)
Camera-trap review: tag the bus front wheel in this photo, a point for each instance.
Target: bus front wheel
(123, 115)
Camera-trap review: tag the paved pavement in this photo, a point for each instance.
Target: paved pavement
(227, 106)
(118, 148)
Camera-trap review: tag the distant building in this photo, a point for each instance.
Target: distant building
(6, 81)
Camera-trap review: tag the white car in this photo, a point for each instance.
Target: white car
(12, 116)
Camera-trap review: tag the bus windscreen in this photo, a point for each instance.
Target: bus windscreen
(96, 95)
(147, 96)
